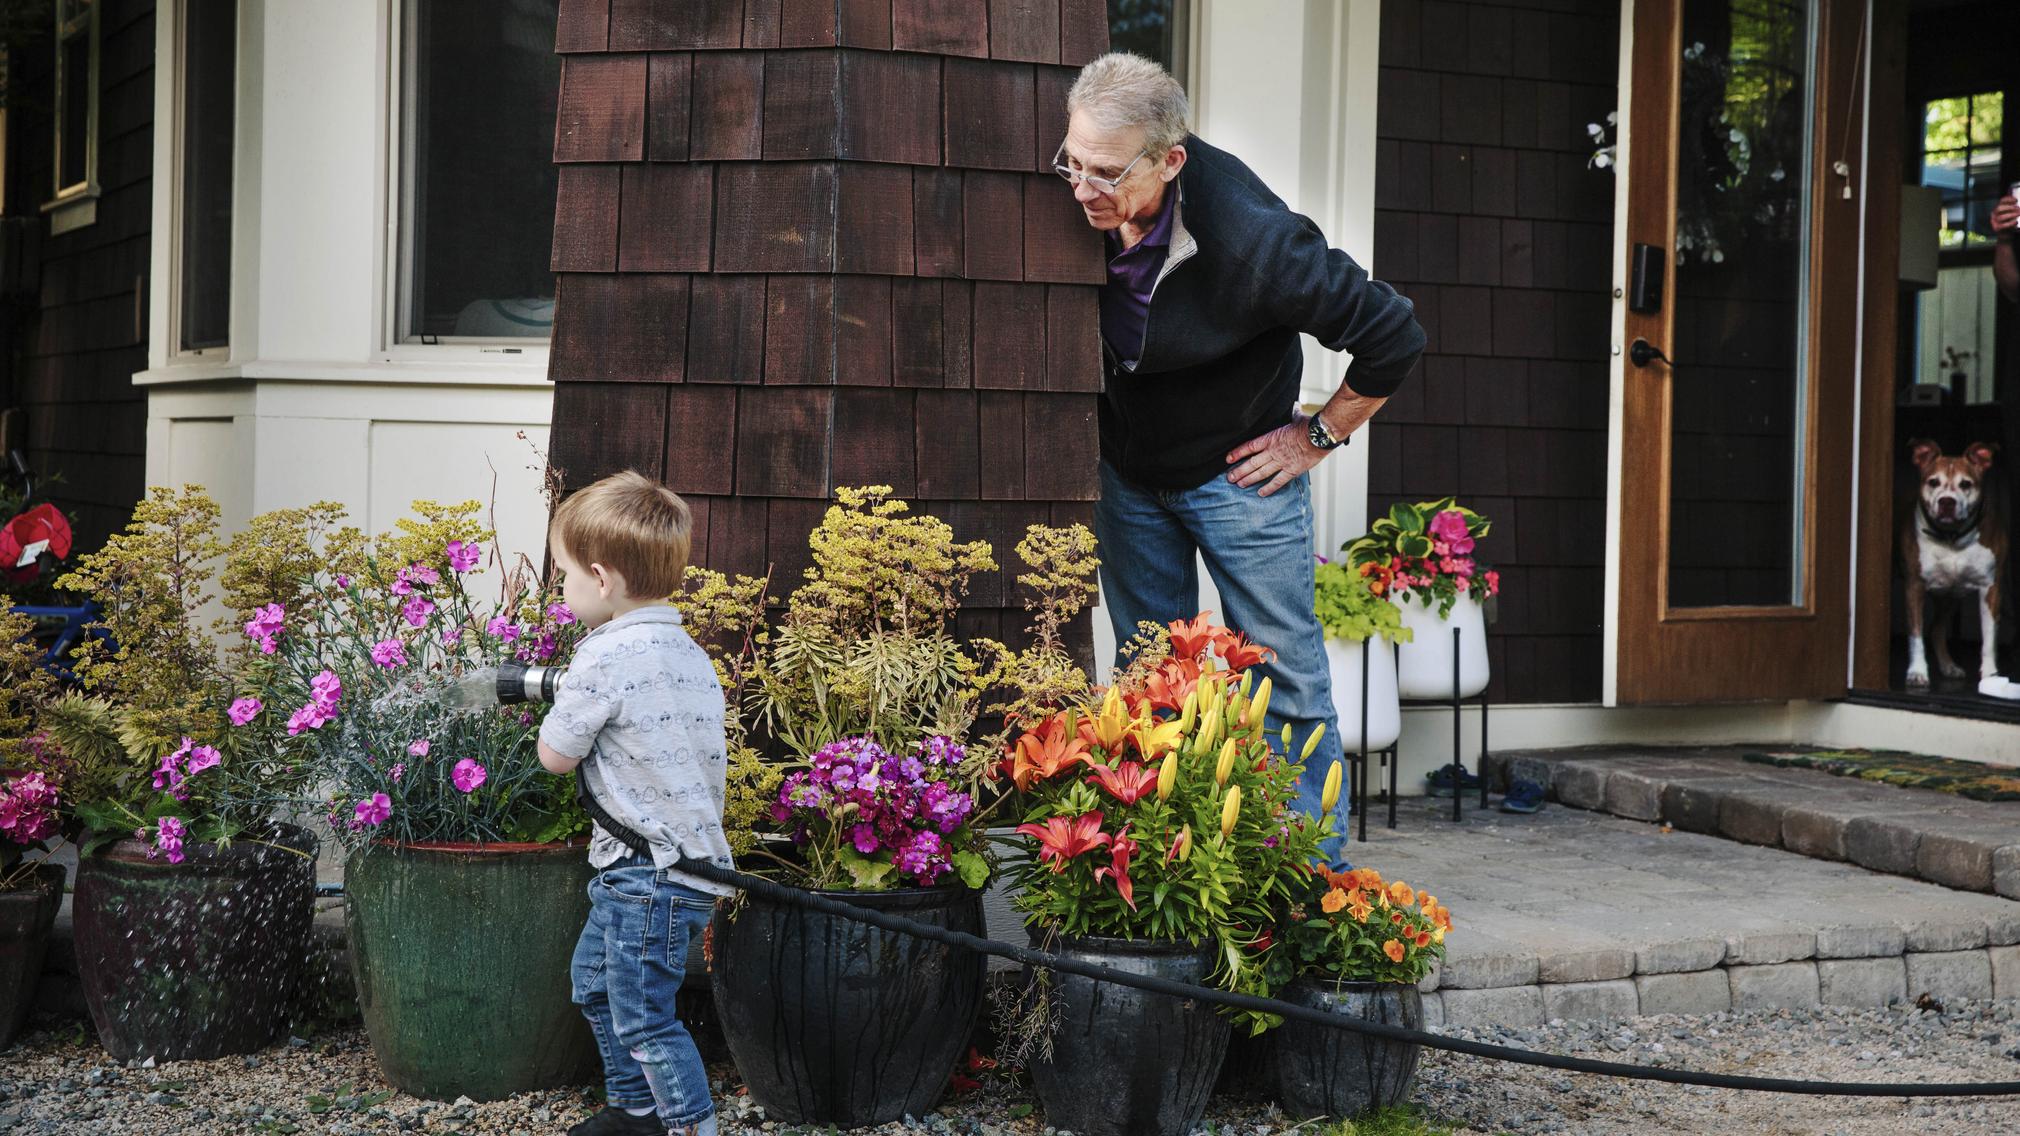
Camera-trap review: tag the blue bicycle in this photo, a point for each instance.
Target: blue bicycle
(59, 628)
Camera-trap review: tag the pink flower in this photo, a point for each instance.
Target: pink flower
(389, 653)
(417, 610)
(452, 636)
(328, 688)
(418, 747)
(202, 758)
(423, 575)
(343, 581)
(502, 628)
(265, 624)
(1450, 526)
(168, 834)
(398, 771)
(244, 710)
(462, 557)
(467, 775)
(559, 612)
(374, 810)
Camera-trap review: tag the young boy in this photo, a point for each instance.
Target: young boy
(641, 714)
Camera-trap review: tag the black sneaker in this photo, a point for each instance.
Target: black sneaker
(617, 1122)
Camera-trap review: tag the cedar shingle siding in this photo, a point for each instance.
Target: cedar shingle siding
(811, 244)
(73, 344)
(1489, 219)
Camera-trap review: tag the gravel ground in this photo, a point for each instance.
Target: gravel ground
(57, 1081)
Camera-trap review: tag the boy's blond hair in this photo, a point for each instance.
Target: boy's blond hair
(631, 524)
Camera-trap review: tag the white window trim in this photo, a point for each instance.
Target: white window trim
(396, 203)
(177, 103)
(76, 205)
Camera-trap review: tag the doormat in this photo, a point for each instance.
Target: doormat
(1971, 779)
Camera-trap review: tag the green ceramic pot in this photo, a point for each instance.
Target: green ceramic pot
(461, 956)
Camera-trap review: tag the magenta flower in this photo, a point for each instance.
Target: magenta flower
(168, 834)
(502, 629)
(266, 622)
(373, 810)
(28, 809)
(417, 610)
(327, 686)
(467, 775)
(423, 575)
(398, 771)
(452, 636)
(343, 581)
(462, 557)
(1450, 527)
(418, 747)
(389, 653)
(560, 613)
(244, 710)
(202, 758)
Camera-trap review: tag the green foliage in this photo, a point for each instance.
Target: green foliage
(1353, 926)
(1349, 609)
(24, 685)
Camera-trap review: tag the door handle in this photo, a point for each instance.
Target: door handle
(1642, 352)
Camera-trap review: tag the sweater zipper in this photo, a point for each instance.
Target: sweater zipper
(1182, 250)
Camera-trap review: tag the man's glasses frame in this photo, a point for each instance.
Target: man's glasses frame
(1102, 185)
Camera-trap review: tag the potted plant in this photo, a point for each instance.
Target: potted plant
(860, 698)
(1350, 943)
(31, 888)
(465, 883)
(1161, 830)
(1423, 558)
(1360, 627)
(193, 897)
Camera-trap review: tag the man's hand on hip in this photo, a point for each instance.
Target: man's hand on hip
(1276, 458)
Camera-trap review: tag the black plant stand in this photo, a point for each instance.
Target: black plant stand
(1458, 766)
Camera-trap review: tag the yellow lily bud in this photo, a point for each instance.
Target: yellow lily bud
(1312, 743)
(1167, 776)
(1260, 707)
(1186, 713)
(1246, 678)
(1226, 765)
(1284, 736)
(1184, 843)
(1331, 795)
(1209, 726)
(1230, 810)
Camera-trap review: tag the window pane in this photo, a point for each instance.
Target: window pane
(480, 210)
(1149, 28)
(209, 77)
(1988, 114)
(76, 109)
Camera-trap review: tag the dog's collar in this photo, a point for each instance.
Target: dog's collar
(1944, 532)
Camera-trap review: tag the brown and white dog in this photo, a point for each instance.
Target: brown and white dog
(1952, 544)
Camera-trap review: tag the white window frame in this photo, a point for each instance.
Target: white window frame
(76, 205)
(178, 100)
(394, 346)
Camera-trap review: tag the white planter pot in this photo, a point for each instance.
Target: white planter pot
(1424, 665)
(1385, 714)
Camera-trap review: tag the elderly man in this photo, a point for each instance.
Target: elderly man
(1203, 447)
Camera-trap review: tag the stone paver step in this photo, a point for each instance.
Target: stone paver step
(1940, 837)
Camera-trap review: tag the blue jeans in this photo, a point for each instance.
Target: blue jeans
(1259, 551)
(627, 968)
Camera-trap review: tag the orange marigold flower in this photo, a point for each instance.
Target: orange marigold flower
(1334, 900)
(1401, 894)
(1394, 950)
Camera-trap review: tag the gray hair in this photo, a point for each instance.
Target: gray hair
(1121, 90)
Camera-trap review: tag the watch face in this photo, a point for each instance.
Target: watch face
(1318, 434)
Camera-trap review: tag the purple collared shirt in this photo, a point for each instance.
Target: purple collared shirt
(1132, 272)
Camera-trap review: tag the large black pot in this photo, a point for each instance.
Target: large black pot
(1127, 1062)
(832, 1021)
(194, 960)
(1336, 1072)
(26, 914)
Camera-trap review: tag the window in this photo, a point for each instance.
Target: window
(73, 202)
(478, 180)
(209, 74)
(1960, 157)
(1154, 29)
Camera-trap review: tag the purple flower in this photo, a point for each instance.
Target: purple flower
(373, 810)
(244, 710)
(941, 750)
(418, 747)
(398, 771)
(502, 628)
(389, 653)
(423, 575)
(418, 610)
(327, 687)
(168, 834)
(865, 837)
(559, 612)
(265, 625)
(462, 557)
(467, 775)
(452, 636)
(202, 758)
(343, 581)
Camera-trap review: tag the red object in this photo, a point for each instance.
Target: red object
(42, 523)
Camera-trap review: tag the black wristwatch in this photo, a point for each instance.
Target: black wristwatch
(1316, 432)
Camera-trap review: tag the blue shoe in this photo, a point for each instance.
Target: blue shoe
(1524, 796)
(1438, 782)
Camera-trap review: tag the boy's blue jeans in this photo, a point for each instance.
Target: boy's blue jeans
(1259, 552)
(627, 968)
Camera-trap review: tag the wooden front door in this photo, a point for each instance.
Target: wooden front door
(1742, 166)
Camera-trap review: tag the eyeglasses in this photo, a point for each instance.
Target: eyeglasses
(1102, 185)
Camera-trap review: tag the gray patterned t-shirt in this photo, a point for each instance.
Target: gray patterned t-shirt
(642, 707)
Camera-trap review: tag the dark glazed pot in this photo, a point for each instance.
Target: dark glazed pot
(194, 960)
(1340, 1073)
(832, 1021)
(461, 954)
(26, 914)
(1247, 1073)
(1127, 1062)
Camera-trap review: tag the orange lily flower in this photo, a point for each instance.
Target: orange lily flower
(1060, 839)
(1128, 782)
(1120, 850)
(1191, 637)
(1240, 654)
(1168, 685)
(1046, 752)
